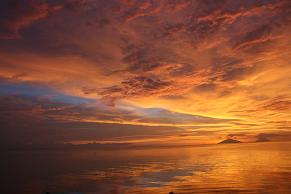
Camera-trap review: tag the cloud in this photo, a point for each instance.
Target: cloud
(36, 101)
(18, 14)
(139, 9)
(262, 139)
(265, 137)
(277, 104)
(159, 115)
(56, 122)
(52, 117)
(216, 63)
(253, 38)
(136, 86)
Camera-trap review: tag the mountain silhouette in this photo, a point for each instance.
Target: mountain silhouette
(226, 141)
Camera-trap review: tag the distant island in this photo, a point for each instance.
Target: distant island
(226, 141)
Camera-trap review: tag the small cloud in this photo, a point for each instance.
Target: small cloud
(262, 139)
(266, 137)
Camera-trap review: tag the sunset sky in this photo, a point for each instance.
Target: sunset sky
(144, 71)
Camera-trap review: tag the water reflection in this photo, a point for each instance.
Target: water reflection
(244, 168)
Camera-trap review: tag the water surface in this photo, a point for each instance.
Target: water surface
(239, 168)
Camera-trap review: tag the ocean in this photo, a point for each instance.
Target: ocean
(233, 168)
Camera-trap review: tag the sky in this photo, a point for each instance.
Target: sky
(144, 71)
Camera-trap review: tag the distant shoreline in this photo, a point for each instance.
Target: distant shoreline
(64, 147)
